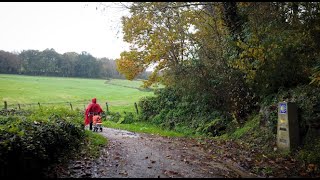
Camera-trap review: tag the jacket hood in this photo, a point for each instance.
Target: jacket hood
(94, 100)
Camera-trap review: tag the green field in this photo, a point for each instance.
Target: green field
(25, 90)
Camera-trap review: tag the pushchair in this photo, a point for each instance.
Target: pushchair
(97, 123)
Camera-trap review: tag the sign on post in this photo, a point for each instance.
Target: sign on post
(288, 127)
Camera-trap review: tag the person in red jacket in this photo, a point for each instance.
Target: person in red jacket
(92, 109)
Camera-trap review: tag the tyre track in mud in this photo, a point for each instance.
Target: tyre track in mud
(133, 155)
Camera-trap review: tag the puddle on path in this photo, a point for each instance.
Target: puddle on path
(118, 133)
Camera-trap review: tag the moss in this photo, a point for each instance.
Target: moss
(248, 128)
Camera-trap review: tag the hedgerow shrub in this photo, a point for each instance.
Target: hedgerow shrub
(172, 110)
(128, 118)
(29, 144)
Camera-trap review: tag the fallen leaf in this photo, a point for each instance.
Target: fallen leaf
(303, 174)
(311, 166)
(123, 172)
(170, 172)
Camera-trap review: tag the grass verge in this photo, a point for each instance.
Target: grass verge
(93, 143)
(143, 127)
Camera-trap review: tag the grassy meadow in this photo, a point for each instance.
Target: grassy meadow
(58, 91)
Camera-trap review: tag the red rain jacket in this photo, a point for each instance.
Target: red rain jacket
(92, 107)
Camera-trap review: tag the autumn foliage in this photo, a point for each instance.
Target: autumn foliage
(222, 62)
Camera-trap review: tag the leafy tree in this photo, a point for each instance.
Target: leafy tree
(51, 61)
(109, 68)
(278, 48)
(68, 64)
(9, 62)
(195, 35)
(86, 66)
(160, 34)
(30, 62)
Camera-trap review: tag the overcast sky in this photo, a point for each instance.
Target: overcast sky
(63, 26)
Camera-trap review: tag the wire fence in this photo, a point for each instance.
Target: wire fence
(71, 104)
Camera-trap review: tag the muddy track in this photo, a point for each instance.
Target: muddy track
(133, 155)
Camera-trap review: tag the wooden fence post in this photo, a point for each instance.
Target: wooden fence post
(136, 106)
(107, 106)
(5, 105)
(71, 106)
(19, 106)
